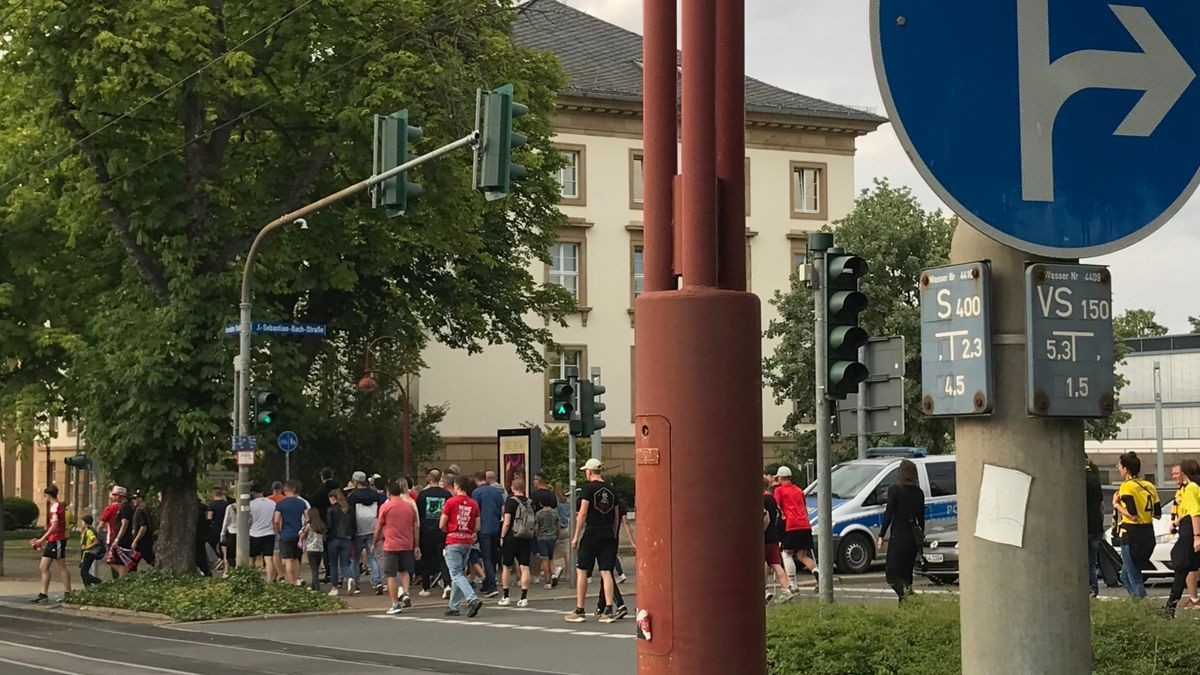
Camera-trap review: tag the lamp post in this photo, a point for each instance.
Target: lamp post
(368, 383)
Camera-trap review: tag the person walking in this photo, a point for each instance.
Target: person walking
(548, 528)
(312, 540)
(905, 517)
(320, 501)
(490, 498)
(365, 502)
(109, 523)
(145, 530)
(262, 533)
(563, 545)
(1094, 505)
(517, 532)
(430, 502)
(92, 551)
(460, 522)
(288, 521)
(772, 536)
(216, 509)
(340, 530)
(1185, 554)
(1181, 481)
(541, 494)
(120, 552)
(797, 541)
(1136, 503)
(203, 538)
(229, 539)
(53, 544)
(596, 539)
(398, 535)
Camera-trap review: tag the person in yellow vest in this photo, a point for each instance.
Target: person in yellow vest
(1136, 502)
(93, 550)
(1185, 554)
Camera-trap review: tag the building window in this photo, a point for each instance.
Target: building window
(72, 428)
(564, 266)
(572, 178)
(799, 253)
(561, 364)
(638, 269)
(635, 179)
(809, 190)
(51, 473)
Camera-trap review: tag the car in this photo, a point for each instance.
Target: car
(939, 558)
(1160, 558)
(859, 491)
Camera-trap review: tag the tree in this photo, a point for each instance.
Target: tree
(1135, 323)
(143, 143)
(898, 239)
(1195, 323)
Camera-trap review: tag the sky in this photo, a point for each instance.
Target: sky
(822, 48)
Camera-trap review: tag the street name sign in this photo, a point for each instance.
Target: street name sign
(956, 340)
(288, 441)
(277, 328)
(1065, 128)
(1069, 340)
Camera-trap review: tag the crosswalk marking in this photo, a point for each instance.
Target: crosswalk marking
(510, 626)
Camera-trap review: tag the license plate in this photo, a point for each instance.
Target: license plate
(935, 557)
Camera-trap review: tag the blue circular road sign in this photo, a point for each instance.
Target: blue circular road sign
(1065, 128)
(288, 441)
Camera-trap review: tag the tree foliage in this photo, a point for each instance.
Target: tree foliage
(898, 239)
(143, 143)
(1138, 323)
(1133, 323)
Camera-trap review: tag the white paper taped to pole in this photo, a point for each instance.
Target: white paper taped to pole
(1003, 497)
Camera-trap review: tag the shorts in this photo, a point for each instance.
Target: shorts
(55, 550)
(395, 562)
(797, 540)
(289, 549)
(599, 551)
(475, 556)
(515, 549)
(262, 547)
(773, 556)
(545, 548)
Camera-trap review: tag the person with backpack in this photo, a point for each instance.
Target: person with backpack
(93, 550)
(1136, 502)
(546, 521)
(364, 503)
(517, 533)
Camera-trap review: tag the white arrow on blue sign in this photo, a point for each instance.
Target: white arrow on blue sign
(1065, 128)
(288, 441)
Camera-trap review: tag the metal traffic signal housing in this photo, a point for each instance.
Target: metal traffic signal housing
(79, 461)
(392, 136)
(590, 407)
(494, 166)
(266, 409)
(845, 303)
(562, 401)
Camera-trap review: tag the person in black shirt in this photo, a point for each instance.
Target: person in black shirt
(120, 554)
(596, 538)
(905, 515)
(433, 539)
(542, 494)
(772, 536)
(1095, 527)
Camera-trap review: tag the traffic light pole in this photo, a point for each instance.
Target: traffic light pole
(572, 479)
(861, 416)
(818, 243)
(242, 369)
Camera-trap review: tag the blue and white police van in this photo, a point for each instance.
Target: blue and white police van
(859, 490)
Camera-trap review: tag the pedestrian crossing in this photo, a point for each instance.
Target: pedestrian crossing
(508, 626)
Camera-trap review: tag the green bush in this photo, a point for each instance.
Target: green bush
(923, 636)
(196, 598)
(19, 513)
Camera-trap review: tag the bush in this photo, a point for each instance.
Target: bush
(196, 598)
(624, 486)
(923, 636)
(19, 514)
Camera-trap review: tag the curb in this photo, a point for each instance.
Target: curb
(89, 609)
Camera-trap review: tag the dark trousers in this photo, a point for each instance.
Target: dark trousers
(489, 547)
(202, 557)
(85, 567)
(230, 550)
(315, 558)
(901, 558)
(432, 561)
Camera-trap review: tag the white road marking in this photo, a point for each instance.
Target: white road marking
(107, 662)
(485, 624)
(28, 665)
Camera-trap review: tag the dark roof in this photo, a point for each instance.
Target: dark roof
(1165, 343)
(605, 61)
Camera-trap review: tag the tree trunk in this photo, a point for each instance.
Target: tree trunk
(176, 544)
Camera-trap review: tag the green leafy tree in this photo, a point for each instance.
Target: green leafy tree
(1136, 323)
(898, 239)
(143, 143)
(1133, 323)
(1195, 323)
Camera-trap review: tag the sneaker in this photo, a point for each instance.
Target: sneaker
(537, 579)
(600, 610)
(446, 593)
(491, 594)
(453, 612)
(621, 612)
(549, 586)
(622, 579)
(1190, 604)
(816, 581)
(770, 596)
(378, 589)
(41, 599)
(396, 608)
(333, 592)
(523, 602)
(576, 617)
(785, 596)
(608, 618)
(504, 602)
(424, 593)
(553, 581)
(406, 600)
(473, 607)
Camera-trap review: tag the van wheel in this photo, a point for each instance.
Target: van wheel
(855, 554)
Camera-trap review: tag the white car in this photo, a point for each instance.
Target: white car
(1160, 559)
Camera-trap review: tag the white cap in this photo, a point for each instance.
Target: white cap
(783, 472)
(593, 464)
(359, 477)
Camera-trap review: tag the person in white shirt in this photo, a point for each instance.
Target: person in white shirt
(229, 537)
(262, 533)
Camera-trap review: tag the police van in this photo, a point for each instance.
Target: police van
(859, 491)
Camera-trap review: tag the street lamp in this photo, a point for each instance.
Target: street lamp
(368, 384)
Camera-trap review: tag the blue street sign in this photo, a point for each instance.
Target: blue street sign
(288, 441)
(278, 328)
(1065, 128)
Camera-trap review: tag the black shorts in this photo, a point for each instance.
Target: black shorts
(395, 562)
(598, 551)
(797, 540)
(290, 550)
(55, 550)
(262, 547)
(514, 549)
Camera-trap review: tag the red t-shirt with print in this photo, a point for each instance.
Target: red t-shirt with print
(461, 511)
(56, 520)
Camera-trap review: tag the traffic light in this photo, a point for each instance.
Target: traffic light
(845, 303)
(562, 395)
(79, 460)
(590, 407)
(494, 167)
(266, 409)
(392, 136)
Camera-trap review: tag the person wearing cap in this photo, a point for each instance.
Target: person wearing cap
(596, 539)
(53, 543)
(364, 503)
(145, 530)
(120, 553)
(797, 533)
(108, 518)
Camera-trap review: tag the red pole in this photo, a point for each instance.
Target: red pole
(659, 162)
(731, 143)
(699, 130)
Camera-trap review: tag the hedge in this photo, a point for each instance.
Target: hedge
(923, 636)
(19, 514)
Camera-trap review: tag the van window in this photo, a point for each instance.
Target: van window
(942, 482)
(878, 496)
(848, 479)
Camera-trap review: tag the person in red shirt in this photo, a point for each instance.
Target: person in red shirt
(797, 532)
(397, 534)
(53, 544)
(460, 522)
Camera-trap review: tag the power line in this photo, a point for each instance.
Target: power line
(160, 94)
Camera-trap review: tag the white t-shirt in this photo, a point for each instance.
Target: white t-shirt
(262, 517)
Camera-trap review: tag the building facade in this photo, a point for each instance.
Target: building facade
(799, 178)
(28, 469)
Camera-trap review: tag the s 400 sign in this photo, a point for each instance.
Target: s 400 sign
(956, 340)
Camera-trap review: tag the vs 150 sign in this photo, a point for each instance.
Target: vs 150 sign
(1070, 340)
(956, 349)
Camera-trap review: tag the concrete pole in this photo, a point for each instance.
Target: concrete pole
(572, 480)
(242, 376)
(861, 417)
(1010, 624)
(1159, 460)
